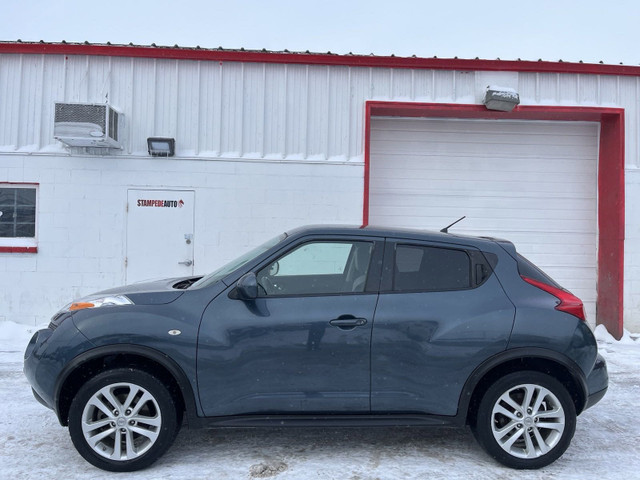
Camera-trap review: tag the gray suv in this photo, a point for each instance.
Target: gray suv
(327, 326)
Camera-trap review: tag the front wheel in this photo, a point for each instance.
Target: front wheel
(525, 420)
(123, 420)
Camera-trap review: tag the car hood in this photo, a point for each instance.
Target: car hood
(156, 292)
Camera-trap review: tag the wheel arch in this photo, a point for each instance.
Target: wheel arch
(86, 365)
(537, 359)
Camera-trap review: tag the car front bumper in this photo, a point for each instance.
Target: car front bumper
(48, 351)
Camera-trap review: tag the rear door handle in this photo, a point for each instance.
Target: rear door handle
(348, 322)
(188, 263)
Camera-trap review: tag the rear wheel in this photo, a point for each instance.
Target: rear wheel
(123, 420)
(525, 420)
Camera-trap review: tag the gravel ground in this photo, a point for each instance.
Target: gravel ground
(605, 446)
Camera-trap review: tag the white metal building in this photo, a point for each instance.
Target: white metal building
(266, 141)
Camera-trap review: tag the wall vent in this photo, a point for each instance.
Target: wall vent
(87, 125)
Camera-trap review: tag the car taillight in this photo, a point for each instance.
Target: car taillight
(569, 303)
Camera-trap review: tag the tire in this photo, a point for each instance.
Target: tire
(127, 405)
(525, 420)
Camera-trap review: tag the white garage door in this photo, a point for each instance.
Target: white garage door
(533, 183)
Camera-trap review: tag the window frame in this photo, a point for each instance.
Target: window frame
(372, 282)
(22, 244)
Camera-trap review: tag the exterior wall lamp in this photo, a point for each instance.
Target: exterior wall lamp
(503, 99)
(161, 146)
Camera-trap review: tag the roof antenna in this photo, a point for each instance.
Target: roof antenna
(446, 229)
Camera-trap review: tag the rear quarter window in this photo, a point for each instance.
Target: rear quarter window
(420, 268)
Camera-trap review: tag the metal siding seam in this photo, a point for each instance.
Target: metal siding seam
(328, 123)
(286, 108)
(198, 126)
(128, 122)
(413, 84)
(349, 102)
(637, 160)
(454, 93)
(175, 91)
(240, 109)
(40, 102)
(218, 103)
(264, 109)
(433, 85)
(19, 116)
(156, 101)
(578, 87)
(308, 120)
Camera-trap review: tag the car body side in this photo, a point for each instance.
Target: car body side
(532, 336)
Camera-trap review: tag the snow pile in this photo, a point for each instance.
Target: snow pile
(14, 334)
(602, 335)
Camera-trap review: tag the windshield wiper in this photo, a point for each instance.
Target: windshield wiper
(184, 284)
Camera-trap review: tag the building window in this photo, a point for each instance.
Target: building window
(18, 216)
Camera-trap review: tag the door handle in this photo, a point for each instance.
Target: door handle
(349, 322)
(188, 263)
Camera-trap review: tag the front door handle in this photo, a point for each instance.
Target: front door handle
(347, 321)
(188, 263)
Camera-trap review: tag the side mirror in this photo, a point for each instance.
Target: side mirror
(246, 288)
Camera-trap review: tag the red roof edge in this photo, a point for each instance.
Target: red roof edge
(220, 55)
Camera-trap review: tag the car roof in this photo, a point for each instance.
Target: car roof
(394, 232)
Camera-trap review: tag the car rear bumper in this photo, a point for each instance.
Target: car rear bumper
(597, 382)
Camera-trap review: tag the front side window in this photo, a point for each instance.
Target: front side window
(17, 212)
(318, 268)
(419, 268)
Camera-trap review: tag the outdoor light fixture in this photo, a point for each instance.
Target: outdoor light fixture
(503, 99)
(161, 147)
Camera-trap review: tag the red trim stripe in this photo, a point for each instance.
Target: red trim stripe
(316, 58)
(18, 249)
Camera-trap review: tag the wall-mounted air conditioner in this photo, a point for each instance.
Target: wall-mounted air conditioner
(87, 125)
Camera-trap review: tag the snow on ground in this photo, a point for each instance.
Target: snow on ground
(606, 444)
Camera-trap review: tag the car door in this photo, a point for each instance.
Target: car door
(441, 312)
(301, 346)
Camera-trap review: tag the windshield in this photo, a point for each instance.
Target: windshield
(225, 270)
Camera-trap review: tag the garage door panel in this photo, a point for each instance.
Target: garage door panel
(534, 183)
(533, 178)
(502, 189)
(516, 203)
(487, 225)
(524, 217)
(395, 124)
(469, 149)
(452, 140)
(401, 165)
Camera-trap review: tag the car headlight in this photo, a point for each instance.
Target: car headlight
(97, 301)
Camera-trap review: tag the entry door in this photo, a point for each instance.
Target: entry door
(159, 234)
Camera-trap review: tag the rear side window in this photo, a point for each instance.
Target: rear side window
(419, 268)
(529, 270)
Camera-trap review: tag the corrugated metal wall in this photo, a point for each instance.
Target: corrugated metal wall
(252, 110)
